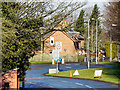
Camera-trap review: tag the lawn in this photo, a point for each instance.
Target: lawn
(37, 62)
(110, 63)
(111, 74)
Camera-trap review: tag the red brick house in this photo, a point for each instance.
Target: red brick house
(71, 42)
(10, 80)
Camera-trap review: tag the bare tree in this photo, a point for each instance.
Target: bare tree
(50, 12)
(111, 16)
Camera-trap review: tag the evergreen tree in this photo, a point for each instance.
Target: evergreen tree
(94, 19)
(21, 32)
(18, 42)
(79, 26)
(95, 15)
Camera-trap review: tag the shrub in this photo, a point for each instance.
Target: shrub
(114, 49)
(81, 58)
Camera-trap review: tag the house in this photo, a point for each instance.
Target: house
(10, 80)
(67, 42)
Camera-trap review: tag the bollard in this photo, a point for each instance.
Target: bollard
(102, 59)
(91, 59)
(63, 61)
(84, 59)
(53, 62)
(70, 73)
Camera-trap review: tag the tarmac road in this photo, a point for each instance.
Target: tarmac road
(36, 79)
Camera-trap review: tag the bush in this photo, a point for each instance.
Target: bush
(81, 58)
(41, 57)
(114, 49)
(70, 58)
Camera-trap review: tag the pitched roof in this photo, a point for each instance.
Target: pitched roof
(51, 33)
(74, 36)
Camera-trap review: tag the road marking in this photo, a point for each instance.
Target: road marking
(79, 84)
(88, 86)
(72, 87)
(68, 67)
(31, 82)
(68, 64)
(64, 81)
(83, 85)
(41, 77)
(50, 86)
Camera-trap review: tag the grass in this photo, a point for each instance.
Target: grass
(111, 74)
(38, 62)
(110, 63)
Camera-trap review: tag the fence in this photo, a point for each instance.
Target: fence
(48, 58)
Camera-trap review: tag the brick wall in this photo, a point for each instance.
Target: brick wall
(67, 43)
(11, 79)
(82, 43)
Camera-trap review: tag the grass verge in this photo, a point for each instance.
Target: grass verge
(111, 74)
(110, 63)
(38, 62)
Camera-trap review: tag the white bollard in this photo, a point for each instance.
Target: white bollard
(63, 61)
(85, 59)
(53, 62)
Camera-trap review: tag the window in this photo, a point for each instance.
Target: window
(6, 85)
(50, 52)
(65, 49)
(51, 40)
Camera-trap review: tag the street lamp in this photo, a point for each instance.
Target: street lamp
(96, 37)
(110, 46)
(41, 44)
(115, 25)
(88, 46)
(96, 40)
(99, 49)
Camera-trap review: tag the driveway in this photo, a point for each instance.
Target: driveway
(36, 79)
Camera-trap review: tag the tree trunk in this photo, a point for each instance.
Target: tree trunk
(23, 83)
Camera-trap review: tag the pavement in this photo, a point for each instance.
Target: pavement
(36, 79)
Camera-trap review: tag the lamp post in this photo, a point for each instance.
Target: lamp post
(88, 47)
(115, 25)
(98, 50)
(41, 44)
(110, 47)
(96, 37)
(96, 40)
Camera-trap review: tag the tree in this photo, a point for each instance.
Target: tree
(111, 16)
(114, 49)
(94, 19)
(50, 12)
(79, 26)
(111, 22)
(21, 33)
(18, 42)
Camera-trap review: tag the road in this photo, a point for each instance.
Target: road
(36, 79)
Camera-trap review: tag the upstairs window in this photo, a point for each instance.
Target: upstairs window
(51, 40)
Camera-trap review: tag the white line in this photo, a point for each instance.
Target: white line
(68, 64)
(50, 86)
(68, 67)
(64, 81)
(79, 84)
(88, 86)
